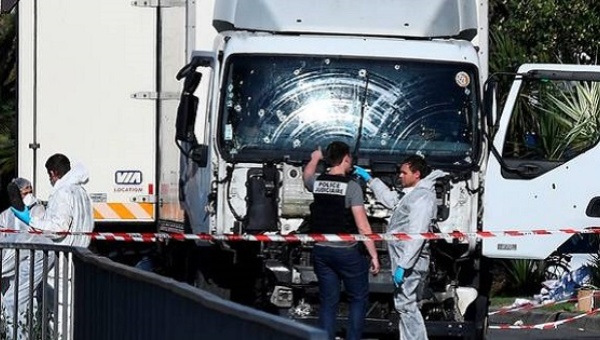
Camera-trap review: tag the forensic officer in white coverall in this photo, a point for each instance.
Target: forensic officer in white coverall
(412, 213)
(23, 190)
(69, 210)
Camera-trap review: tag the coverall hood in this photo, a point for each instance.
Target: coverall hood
(69, 209)
(77, 175)
(22, 183)
(429, 181)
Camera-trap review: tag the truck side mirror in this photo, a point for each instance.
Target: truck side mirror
(186, 118)
(186, 115)
(188, 106)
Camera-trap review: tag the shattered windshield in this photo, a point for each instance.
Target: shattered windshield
(283, 107)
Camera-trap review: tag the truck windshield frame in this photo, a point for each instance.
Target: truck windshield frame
(281, 107)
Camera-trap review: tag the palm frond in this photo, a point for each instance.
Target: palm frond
(578, 111)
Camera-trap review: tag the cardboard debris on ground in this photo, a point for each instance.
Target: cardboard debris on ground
(588, 299)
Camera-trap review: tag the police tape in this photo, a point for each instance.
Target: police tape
(307, 238)
(529, 306)
(546, 325)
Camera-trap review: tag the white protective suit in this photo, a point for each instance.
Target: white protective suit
(9, 259)
(413, 213)
(69, 209)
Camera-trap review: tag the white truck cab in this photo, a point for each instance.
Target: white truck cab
(547, 149)
(391, 80)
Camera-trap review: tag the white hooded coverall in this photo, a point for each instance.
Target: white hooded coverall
(69, 209)
(9, 221)
(413, 213)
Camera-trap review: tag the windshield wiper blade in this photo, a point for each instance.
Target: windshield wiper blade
(362, 116)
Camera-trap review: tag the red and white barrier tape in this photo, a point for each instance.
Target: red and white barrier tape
(528, 306)
(547, 325)
(292, 238)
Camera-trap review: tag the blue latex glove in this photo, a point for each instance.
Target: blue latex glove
(398, 276)
(24, 215)
(362, 173)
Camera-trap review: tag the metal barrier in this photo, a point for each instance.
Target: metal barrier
(34, 290)
(115, 301)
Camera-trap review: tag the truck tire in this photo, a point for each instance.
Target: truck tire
(206, 284)
(478, 314)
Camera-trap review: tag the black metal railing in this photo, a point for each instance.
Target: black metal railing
(80, 295)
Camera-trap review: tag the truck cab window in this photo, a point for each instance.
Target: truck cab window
(553, 122)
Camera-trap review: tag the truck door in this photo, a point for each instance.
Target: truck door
(548, 141)
(90, 87)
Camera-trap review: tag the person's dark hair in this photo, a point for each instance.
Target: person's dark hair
(335, 153)
(58, 163)
(14, 196)
(417, 163)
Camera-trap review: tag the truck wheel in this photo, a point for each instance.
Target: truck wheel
(210, 286)
(478, 314)
(483, 333)
(214, 271)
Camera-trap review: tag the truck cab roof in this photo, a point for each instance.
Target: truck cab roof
(398, 18)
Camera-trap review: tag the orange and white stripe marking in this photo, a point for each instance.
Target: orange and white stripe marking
(123, 211)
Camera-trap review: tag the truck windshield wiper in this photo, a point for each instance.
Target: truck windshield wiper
(363, 103)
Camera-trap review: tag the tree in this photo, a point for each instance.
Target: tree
(548, 31)
(543, 31)
(8, 76)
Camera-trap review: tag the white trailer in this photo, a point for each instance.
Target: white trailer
(96, 83)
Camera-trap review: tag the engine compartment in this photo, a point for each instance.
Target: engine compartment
(258, 198)
(271, 198)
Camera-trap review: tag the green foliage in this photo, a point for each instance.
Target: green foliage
(572, 120)
(7, 138)
(504, 301)
(524, 277)
(563, 116)
(8, 40)
(542, 31)
(7, 94)
(505, 53)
